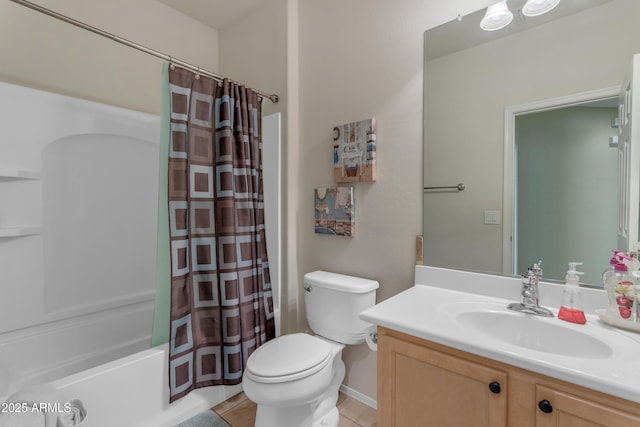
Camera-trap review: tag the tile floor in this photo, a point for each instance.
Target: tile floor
(241, 412)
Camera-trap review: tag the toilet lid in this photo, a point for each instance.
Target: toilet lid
(289, 357)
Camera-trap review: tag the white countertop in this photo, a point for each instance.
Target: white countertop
(428, 310)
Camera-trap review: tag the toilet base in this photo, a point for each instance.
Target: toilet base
(317, 414)
(295, 417)
(332, 419)
(321, 412)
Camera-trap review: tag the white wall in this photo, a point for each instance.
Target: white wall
(42, 52)
(465, 110)
(362, 59)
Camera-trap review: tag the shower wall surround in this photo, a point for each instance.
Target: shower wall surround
(78, 209)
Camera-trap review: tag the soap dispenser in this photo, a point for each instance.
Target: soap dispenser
(571, 308)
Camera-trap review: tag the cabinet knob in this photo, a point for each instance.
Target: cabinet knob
(495, 387)
(545, 406)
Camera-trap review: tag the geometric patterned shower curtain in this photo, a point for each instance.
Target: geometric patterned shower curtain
(221, 299)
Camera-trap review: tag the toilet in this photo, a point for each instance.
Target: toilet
(294, 379)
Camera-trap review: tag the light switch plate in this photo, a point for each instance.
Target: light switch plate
(492, 217)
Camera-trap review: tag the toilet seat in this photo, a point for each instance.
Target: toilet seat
(288, 358)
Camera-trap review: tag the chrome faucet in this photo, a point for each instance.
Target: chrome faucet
(530, 294)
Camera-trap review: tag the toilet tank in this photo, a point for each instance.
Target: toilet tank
(334, 301)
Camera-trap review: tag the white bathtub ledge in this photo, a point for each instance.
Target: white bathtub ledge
(133, 391)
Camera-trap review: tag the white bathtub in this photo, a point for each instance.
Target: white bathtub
(133, 392)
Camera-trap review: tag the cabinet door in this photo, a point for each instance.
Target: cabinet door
(565, 410)
(418, 386)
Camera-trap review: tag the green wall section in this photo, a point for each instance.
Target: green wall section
(163, 270)
(566, 190)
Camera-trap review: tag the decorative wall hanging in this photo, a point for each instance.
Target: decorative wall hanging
(354, 151)
(334, 211)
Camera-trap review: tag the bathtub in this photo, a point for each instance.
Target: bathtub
(134, 392)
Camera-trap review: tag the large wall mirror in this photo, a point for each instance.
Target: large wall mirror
(526, 118)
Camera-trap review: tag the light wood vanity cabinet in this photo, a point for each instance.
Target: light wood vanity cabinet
(424, 384)
(574, 411)
(419, 386)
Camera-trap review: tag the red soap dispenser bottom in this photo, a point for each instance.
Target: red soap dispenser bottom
(572, 315)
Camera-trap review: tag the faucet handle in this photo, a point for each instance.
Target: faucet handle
(536, 268)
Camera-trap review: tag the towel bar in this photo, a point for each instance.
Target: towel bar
(459, 187)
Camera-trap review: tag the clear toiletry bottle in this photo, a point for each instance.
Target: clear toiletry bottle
(571, 308)
(610, 268)
(621, 292)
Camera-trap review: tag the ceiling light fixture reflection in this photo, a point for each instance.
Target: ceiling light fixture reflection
(497, 17)
(538, 7)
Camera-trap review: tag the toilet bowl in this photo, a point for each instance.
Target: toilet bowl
(294, 379)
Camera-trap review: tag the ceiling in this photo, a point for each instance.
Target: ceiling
(213, 13)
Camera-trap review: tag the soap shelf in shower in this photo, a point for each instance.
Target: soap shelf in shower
(19, 231)
(10, 174)
(13, 174)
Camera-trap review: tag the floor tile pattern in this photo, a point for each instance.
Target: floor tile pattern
(239, 411)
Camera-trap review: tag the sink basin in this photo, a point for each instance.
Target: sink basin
(534, 333)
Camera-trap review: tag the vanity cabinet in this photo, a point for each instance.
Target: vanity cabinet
(419, 386)
(574, 411)
(421, 383)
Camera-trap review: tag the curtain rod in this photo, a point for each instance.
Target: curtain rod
(172, 60)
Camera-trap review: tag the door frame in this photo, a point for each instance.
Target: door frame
(508, 197)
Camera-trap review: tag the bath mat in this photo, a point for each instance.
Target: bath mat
(204, 419)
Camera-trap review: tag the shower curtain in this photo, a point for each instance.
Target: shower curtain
(221, 300)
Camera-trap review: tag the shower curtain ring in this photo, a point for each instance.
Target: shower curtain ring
(171, 66)
(198, 73)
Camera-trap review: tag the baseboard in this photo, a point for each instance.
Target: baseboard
(363, 398)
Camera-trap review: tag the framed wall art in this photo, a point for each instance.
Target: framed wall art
(354, 151)
(334, 211)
